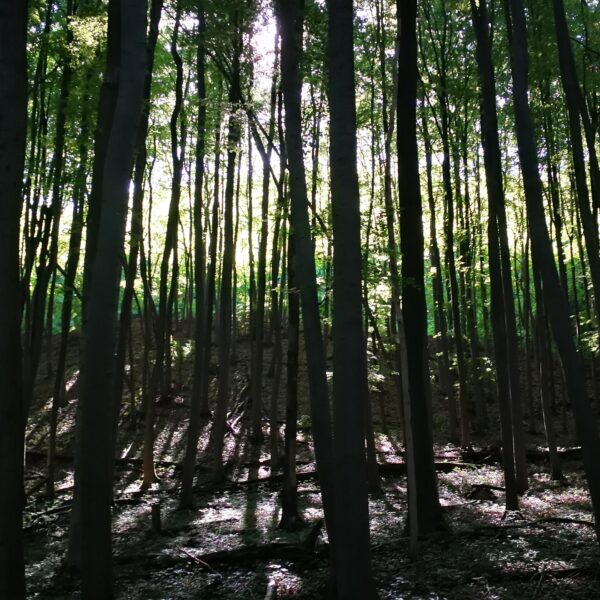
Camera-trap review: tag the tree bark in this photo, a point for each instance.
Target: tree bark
(160, 379)
(290, 517)
(414, 306)
(256, 376)
(572, 93)
(225, 300)
(290, 15)
(498, 278)
(93, 469)
(352, 564)
(543, 258)
(137, 225)
(193, 433)
(13, 129)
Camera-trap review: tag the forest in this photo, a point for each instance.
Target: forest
(299, 299)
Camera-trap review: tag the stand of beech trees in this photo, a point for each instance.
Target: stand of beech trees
(407, 190)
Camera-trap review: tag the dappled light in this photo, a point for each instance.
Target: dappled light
(299, 299)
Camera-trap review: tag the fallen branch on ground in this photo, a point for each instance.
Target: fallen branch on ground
(535, 523)
(493, 455)
(306, 550)
(384, 469)
(36, 455)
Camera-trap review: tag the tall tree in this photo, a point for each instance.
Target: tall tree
(162, 365)
(94, 472)
(503, 316)
(543, 259)
(200, 263)
(291, 19)
(225, 300)
(106, 107)
(353, 574)
(290, 518)
(13, 129)
(256, 375)
(137, 225)
(572, 91)
(74, 252)
(412, 247)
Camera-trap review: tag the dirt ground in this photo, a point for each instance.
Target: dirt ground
(229, 546)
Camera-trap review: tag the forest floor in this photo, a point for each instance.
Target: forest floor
(230, 545)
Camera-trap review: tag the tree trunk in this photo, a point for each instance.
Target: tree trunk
(291, 24)
(106, 108)
(352, 564)
(69, 289)
(211, 276)
(97, 363)
(545, 372)
(137, 218)
(572, 92)
(256, 376)
(414, 306)
(13, 129)
(498, 281)
(160, 379)
(543, 258)
(193, 433)
(225, 300)
(438, 298)
(290, 517)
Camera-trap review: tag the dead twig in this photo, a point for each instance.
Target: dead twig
(199, 561)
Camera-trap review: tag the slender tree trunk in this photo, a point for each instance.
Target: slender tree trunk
(414, 306)
(545, 373)
(543, 259)
(277, 374)
(137, 219)
(276, 245)
(211, 277)
(572, 93)
(225, 300)
(256, 376)
(527, 319)
(449, 200)
(13, 130)
(290, 517)
(352, 564)
(162, 367)
(98, 364)
(291, 25)
(499, 279)
(392, 246)
(68, 291)
(468, 250)
(106, 108)
(234, 299)
(438, 298)
(193, 434)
